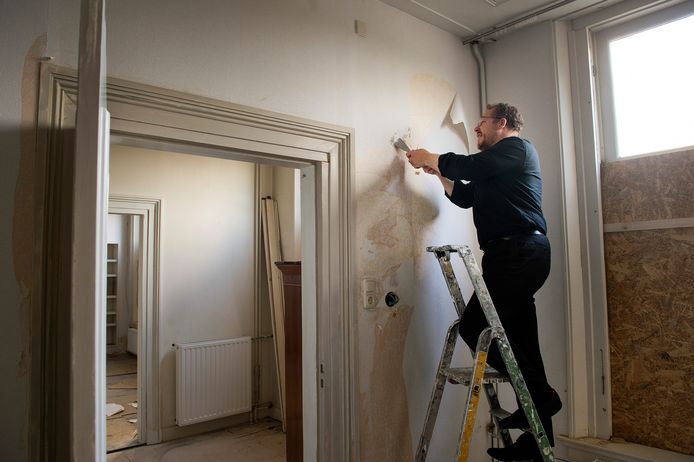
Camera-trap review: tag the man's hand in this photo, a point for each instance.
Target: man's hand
(421, 158)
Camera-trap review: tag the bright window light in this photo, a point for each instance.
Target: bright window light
(653, 87)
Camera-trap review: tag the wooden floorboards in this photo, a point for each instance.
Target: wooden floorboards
(260, 442)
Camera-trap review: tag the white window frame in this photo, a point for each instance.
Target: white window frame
(590, 407)
(606, 33)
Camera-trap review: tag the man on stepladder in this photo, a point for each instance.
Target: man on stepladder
(504, 188)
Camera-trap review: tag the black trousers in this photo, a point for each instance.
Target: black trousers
(513, 271)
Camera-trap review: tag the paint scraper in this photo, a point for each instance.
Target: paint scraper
(400, 144)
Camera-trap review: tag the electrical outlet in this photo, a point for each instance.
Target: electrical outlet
(370, 289)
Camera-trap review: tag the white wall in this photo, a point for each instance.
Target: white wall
(287, 192)
(521, 71)
(302, 58)
(22, 37)
(206, 247)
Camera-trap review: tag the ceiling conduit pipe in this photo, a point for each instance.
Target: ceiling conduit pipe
(482, 74)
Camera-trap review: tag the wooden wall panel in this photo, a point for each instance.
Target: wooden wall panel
(648, 188)
(650, 275)
(650, 298)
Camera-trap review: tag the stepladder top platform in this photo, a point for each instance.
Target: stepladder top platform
(448, 248)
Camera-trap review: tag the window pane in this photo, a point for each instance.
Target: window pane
(653, 87)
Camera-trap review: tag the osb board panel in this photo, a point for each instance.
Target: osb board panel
(648, 188)
(650, 301)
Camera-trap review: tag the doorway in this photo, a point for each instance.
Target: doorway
(132, 308)
(123, 237)
(166, 119)
(211, 271)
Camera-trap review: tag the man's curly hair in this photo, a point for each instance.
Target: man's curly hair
(514, 120)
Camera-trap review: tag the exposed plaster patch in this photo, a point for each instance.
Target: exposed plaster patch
(396, 209)
(385, 433)
(24, 200)
(380, 233)
(391, 275)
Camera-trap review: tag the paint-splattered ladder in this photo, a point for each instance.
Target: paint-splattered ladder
(479, 377)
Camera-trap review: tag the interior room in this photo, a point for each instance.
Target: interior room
(155, 169)
(212, 279)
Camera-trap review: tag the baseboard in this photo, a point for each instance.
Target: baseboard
(597, 450)
(175, 432)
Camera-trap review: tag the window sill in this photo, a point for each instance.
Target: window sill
(593, 449)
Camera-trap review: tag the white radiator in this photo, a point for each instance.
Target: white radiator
(213, 379)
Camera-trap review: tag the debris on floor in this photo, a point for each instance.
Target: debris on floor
(113, 409)
(132, 421)
(133, 404)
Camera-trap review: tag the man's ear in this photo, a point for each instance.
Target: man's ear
(503, 122)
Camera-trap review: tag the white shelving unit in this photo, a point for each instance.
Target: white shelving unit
(111, 294)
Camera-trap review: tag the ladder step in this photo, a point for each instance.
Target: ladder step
(499, 413)
(462, 375)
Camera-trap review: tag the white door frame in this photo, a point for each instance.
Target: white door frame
(87, 245)
(174, 121)
(149, 210)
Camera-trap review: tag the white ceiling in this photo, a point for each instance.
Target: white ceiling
(468, 18)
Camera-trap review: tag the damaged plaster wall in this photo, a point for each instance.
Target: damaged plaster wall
(22, 42)
(521, 71)
(304, 58)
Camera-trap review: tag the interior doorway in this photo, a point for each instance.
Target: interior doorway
(212, 271)
(123, 307)
(166, 119)
(132, 307)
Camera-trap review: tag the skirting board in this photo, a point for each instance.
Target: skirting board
(596, 450)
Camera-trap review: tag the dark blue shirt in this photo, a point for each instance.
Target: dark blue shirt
(504, 189)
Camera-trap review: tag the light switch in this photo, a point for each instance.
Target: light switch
(370, 289)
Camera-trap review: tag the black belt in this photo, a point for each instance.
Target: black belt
(511, 237)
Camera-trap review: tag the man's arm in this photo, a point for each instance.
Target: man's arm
(445, 182)
(421, 158)
(457, 192)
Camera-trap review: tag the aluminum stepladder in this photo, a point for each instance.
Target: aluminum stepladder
(478, 377)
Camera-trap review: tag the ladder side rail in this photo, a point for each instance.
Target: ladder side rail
(480, 287)
(473, 397)
(509, 359)
(525, 399)
(437, 392)
(444, 258)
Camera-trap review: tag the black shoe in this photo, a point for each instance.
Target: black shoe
(525, 448)
(518, 420)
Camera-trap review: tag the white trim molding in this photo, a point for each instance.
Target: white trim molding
(149, 210)
(650, 225)
(157, 118)
(597, 450)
